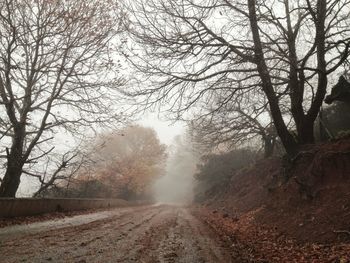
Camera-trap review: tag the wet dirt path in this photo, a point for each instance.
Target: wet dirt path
(140, 234)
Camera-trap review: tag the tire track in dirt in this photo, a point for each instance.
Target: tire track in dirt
(181, 238)
(72, 243)
(154, 234)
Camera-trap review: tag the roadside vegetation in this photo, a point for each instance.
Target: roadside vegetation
(124, 165)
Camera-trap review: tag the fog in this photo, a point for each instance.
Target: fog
(176, 185)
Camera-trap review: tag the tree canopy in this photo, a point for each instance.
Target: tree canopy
(191, 51)
(57, 74)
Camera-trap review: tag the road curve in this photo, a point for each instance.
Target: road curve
(147, 234)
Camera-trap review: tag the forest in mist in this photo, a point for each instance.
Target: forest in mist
(247, 79)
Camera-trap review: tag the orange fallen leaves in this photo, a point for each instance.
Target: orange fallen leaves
(257, 243)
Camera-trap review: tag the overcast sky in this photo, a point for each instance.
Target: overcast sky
(166, 130)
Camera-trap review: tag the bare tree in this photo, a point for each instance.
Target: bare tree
(243, 122)
(286, 49)
(62, 173)
(57, 74)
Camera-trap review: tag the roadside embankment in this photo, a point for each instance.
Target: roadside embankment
(288, 212)
(16, 207)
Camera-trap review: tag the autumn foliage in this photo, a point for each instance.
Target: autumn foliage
(128, 161)
(121, 164)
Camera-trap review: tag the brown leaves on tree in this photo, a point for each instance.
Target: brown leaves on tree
(128, 161)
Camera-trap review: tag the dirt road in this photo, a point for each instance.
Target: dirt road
(139, 234)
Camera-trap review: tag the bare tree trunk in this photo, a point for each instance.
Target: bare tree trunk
(287, 139)
(306, 133)
(12, 177)
(305, 123)
(11, 180)
(269, 145)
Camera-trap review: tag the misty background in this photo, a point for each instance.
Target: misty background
(176, 185)
(146, 99)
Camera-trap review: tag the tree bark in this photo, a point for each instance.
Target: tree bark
(15, 163)
(311, 116)
(11, 180)
(287, 139)
(306, 132)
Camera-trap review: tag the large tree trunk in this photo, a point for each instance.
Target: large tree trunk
(306, 129)
(15, 163)
(288, 141)
(321, 70)
(306, 133)
(11, 179)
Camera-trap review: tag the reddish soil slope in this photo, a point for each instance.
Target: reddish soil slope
(299, 210)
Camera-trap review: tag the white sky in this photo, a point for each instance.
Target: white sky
(166, 130)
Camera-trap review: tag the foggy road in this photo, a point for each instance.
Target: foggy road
(137, 234)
